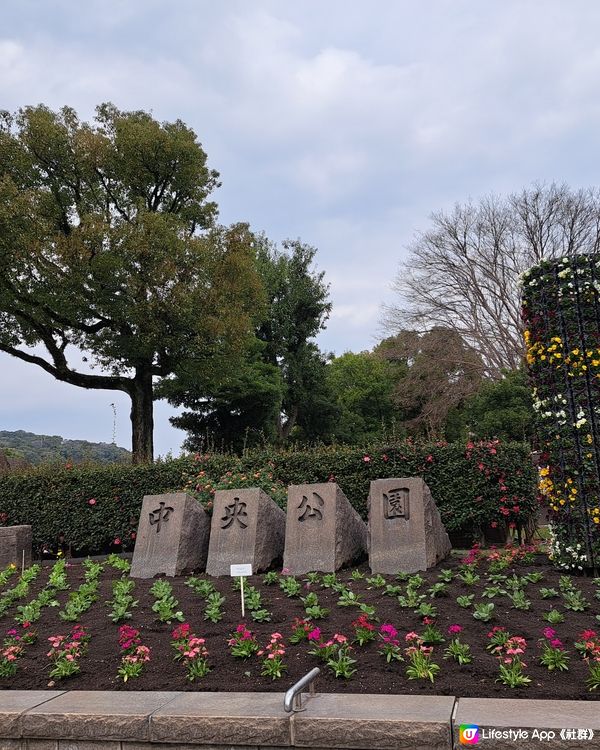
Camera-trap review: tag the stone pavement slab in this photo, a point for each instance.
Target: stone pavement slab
(503, 714)
(14, 703)
(378, 722)
(95, 715)
(223, 719)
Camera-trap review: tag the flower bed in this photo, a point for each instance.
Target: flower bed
(507, 626)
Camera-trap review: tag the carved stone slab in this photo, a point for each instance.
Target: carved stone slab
(14, 540)
(323, 531)
(172, 536)
(405, 529)
(247, 527)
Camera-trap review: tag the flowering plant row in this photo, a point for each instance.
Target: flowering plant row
(561, 304)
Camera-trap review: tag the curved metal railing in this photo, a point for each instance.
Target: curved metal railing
(293, 698)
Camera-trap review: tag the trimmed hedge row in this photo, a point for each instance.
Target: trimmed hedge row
(97, 508)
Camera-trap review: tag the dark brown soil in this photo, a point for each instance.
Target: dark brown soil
(373, 675)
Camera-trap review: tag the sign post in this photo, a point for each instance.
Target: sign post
(242, 571)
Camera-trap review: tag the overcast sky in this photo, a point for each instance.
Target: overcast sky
(343, 123)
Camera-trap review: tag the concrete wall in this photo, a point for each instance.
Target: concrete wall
(135, 720)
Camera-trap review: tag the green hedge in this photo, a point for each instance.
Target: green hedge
(97, 507)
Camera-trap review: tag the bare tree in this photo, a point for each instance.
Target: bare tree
(463, 272)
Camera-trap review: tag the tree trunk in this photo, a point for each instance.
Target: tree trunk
(142, 418)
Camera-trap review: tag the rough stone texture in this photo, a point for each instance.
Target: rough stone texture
(323, 531)
(247, 527)
(378, 722)
(505, 713)
(95, 715)
(91, 745)
(13, 540)
(405, 529)
(14, 745)
(223, 719)
(13, 703)
(40, 745)
(172, 536)
(185, 746)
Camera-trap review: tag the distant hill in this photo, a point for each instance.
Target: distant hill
(38, 449)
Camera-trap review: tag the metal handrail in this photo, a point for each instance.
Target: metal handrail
(293, 698)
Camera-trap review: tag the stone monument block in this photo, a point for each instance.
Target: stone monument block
(405, 528)
(323, 531)
(14, 540)
(247, 527)
(172, 536)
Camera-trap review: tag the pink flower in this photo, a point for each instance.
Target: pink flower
(117, 540)
(92, 501)
(454, 629)
(314, 635)
(340, 638)
(385, 457)
(549, 632)
(366, 459)
(556, 643)
(389, 630)
(412, 636)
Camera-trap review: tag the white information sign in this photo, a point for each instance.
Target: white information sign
(240, 570)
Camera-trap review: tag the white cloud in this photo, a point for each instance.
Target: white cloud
(341, 123)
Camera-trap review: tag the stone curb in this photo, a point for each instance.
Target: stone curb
(103, 720)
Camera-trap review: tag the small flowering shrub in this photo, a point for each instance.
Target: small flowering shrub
(389, 643)
(133, 654)
(562, 336)
(588, 646)
(301, 627)
(273, 652)
(242, 643)
(13, 647)
(553, 654)
(191, 650)
(335, 652)
(364, 630)
(460, 652)
(508, 649)
(420, 665)
(66, 651)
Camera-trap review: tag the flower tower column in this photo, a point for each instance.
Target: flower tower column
(561, 316)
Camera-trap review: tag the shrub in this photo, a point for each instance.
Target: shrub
(97, 507)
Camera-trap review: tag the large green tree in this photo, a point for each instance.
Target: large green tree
(499, 409)
(108, 246)
(440, 371)
(279, 391)
(362, 385)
